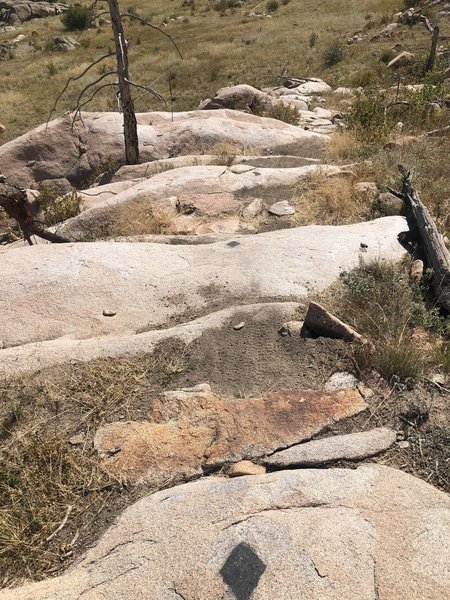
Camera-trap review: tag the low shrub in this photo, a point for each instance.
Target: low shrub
(77, 18)
(383, 305)
(333, 54)
(272, 5)
(56, 208)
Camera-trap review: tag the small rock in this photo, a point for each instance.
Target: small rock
(77, 439)
(438, 378)
(320, 322)
(239, 326)
(253, 209)
(403, 59)
(65, 43)
(365, 391)
(416, 271)
(292, 328)
(2, 128)
(403, 444)
(245, 467)
(341, 380)
(109, 313)
(281, 209)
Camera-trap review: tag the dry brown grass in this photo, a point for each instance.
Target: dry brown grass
(343, 146)
(328, 200)
(136, 218)
(43, 476)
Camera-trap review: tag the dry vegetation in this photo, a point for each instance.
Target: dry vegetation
(48, 467)
(43, 476)
(227, 50)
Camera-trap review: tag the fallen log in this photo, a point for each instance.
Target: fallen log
(13, 200)
(436, 255)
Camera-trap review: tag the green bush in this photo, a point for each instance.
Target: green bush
(333, 54)
(56, 208)
(272, 5)
(385, 307)
(77, 18)
(367, 118)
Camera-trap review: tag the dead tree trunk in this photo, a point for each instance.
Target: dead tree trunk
(434, 44)
(437, 257)
(125, 98)
(13, 200)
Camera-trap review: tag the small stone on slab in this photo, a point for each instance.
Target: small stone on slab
(239, 326)
(245, 467)
(341, 380)
(281, 209)
(109, 313)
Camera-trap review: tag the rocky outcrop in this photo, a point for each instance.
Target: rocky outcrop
(77, 150)
(13, 11)
(296, 98)
(373, 532)
(194, 431)
(188, 195)
(47, 292)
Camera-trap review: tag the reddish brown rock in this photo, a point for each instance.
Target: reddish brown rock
(189, 431)
(320, 322)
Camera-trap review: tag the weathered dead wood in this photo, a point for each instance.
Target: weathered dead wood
(434, 44)
(14, 202)
(436, 255)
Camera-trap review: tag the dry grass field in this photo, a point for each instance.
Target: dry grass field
(218, 49)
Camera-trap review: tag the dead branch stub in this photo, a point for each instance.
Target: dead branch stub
(13, 200)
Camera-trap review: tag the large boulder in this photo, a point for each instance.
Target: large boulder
(334, 534)
(77, 150)
(47, 292)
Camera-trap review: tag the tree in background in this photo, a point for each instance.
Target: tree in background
(123, 83)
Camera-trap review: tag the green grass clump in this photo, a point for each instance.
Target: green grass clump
(333, 54)
(385, 306)
(56, 208)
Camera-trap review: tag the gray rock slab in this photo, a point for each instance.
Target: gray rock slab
(54, 291)
(333, 534)
(353, 446)
(40, 355)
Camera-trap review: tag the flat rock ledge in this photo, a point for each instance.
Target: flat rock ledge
(354, 446)
(334, 534)
(192, 431)
(46, 292)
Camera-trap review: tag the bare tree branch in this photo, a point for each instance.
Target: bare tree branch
(68, 82)
(147, 89)
(145, 22)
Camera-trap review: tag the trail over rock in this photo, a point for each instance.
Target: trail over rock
(47, 292)
(373, 532)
